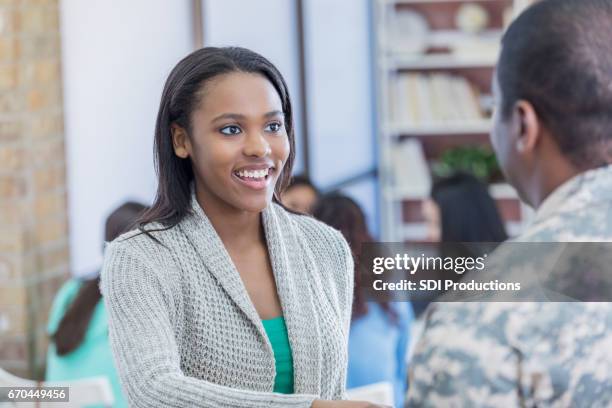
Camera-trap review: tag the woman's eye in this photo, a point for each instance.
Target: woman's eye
(273, 127)
(231, 130)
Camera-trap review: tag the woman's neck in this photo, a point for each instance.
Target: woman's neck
(236, 228)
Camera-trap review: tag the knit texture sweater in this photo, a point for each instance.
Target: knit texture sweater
(184, 332)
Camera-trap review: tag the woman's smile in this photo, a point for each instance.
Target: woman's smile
(256, 177)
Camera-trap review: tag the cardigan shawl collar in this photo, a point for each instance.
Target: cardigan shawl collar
(285, 252)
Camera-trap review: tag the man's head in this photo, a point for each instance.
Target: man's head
(553, 87)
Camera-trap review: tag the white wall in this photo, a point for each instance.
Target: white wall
(115, 58)
(340, 98)
(266, 27)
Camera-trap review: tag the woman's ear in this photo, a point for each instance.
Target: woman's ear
(180, 141)
(527, 125)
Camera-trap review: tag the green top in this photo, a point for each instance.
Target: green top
(283, 360)
(93, 357)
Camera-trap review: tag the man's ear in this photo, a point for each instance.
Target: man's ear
(180, 141)
(527, 126)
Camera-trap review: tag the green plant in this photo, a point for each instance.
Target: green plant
(476, 160)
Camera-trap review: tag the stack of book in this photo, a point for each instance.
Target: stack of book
(436, 99)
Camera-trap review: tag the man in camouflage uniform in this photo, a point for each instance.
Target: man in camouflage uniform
(553, 139)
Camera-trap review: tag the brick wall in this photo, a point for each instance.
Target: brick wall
(33, 218)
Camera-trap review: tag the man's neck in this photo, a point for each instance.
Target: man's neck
(552, 179)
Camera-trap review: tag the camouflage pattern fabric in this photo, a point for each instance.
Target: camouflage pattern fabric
(526, 354)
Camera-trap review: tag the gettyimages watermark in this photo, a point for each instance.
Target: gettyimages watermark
(484, 271)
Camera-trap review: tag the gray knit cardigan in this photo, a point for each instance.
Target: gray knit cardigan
(184, 332)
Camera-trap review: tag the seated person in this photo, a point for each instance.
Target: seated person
(460, 209)
(78, 327)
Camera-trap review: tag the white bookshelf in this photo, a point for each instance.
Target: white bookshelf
(437, 62)
(393, 61)
(435, 129)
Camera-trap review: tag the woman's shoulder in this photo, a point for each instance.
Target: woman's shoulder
(140, 251)
(154, 228)
(150, 239)
(66, 293)
(70, 288)
(64, 297)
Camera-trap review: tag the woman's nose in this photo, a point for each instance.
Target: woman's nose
(256, 145)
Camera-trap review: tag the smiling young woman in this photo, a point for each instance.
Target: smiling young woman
(222, 298)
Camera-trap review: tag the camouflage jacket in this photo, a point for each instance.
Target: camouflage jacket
(526, 354)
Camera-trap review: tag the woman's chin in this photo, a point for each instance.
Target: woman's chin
(255, 205)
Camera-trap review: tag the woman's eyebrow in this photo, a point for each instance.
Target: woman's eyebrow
(274, 113)
(235, 116)
(238, 116)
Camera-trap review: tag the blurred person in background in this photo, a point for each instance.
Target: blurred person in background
(221, 298)
(380, 330)
(460, 209)
(301, 195)
(553, 138)
(78, 328)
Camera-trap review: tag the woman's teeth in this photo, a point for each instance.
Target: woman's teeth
(253, 174)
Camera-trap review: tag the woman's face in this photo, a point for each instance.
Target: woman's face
(238, 144)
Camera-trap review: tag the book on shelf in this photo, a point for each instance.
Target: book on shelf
(409, 168)
(436, 99)
(423, 98)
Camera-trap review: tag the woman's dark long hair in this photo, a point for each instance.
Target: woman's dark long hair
(180, 97)
(73, 326)
(345, 215)
(467, 211)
